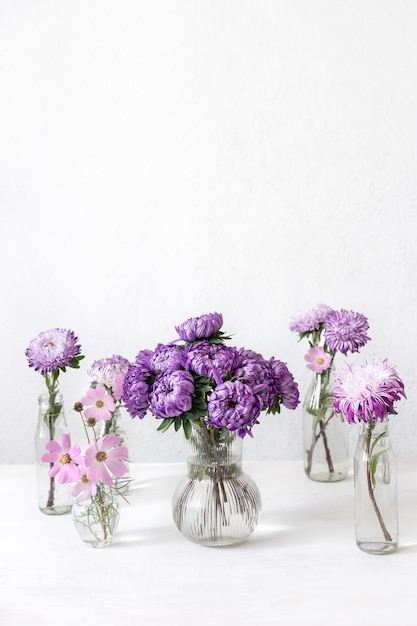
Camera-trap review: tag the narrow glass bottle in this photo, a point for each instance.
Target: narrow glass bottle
(375, 480)
(53, 498)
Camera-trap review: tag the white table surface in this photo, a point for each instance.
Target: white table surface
(300, 566)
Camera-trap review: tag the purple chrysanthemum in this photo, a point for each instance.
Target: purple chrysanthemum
(53, 349)
(367, 392)
(283, 384)
(201, 327)
(311, 319)
(105, 371)
(136, 385)
(235, 406)
(166, 357)
(172, 393)
(345, 331)
(205, 358)
(254, 370)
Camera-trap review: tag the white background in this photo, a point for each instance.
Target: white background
(160, 160)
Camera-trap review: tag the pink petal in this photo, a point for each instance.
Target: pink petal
(116, 467)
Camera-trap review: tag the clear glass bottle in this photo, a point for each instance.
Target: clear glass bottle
(96, 518)
(375, 480)
(217, 504)
(53, 498)
(325, 433)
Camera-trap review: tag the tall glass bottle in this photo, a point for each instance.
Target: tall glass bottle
(375, 479)
(53, 498)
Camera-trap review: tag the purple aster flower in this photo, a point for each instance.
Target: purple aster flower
(205, 358)
(311, 319)
(53, 349)
(345, 331)
(172, 393)
(105, 371)
(283, 384)
(254, 370)
(201, 327)
(166, 357)
(136, 385)
(367, 392)
(235, 406)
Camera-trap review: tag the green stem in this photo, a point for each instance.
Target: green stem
(387, 536)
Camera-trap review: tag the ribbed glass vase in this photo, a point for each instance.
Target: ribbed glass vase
(375, 479)
(216, 504)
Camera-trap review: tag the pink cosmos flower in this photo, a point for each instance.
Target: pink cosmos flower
(105, 457)
(65, 460)
(100, 404)
(318, 360)
(118, 385)
(84, 485)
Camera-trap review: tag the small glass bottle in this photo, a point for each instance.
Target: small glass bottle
(375, 480)
(96, 518)
(53, 498)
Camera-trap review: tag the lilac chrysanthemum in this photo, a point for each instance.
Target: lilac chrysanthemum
(53, 349)
(105, 371)
(235, 406)
(345, 331)
(136, 385)
(205, 358)
(172, 393)
(254, 370)
(166, 357)
(367, 392)
(283, 384)
(311, 319)
(201, 327)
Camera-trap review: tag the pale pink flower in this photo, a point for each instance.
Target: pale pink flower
(105, 457)
(65, 460)
(84, 485)
(318, 360)
(99, 403)
(118, 385)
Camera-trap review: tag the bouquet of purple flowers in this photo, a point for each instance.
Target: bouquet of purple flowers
(198, 379)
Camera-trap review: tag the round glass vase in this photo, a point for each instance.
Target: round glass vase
(216, 504)
(53, 498)
(115, 426)
(325, 433)
(96, 518)
(375, 481)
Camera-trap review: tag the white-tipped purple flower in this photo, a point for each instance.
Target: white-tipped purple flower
(201, 327)
(345, 331)
(311, 319)
(105, 371)
(54, 349)
(367, 392)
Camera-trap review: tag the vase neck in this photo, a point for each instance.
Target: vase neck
(214, 448)
(376, 429)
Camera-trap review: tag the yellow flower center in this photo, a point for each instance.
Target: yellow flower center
(65, 459)
(99, 404)
(84, 479)
(319, 360)
(101, 456)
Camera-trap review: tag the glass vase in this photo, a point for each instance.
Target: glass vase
(115, 426)
(375, 480)
(325, 433)
(96, 518)
(216, 504)
(53, 498)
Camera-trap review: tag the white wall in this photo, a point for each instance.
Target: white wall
(160, 160)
